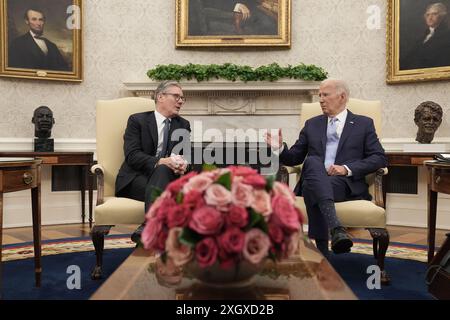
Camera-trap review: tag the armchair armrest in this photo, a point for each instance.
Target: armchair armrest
(378, 184)
(285, 171)
(100, 173)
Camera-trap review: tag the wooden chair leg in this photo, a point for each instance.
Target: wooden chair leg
(98, 234)
(380, 245)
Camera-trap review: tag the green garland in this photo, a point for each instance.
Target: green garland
(233, 72)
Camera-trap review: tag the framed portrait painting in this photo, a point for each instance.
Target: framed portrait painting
(418, 40)
(218, 23)
(41, 39)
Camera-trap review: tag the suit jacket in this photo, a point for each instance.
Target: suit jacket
(433, 53)
(359, 149)
(25, 53)
(141, 143)
(227, 5)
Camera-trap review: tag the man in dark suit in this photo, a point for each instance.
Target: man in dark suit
(32, 50)
(432, 49)
(337, 150)
(149, 142)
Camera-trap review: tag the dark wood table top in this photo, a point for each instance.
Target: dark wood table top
(307, 276)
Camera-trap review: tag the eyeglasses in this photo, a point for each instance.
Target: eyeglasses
(176, 96)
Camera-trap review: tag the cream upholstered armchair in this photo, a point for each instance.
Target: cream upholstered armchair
(112, 117)
(370, 215)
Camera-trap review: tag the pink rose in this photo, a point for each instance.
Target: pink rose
(242, 194)
(237, 216)
(162, 211)
(176, 186)
(262, 203)
(198, 183)
(276, 233)
(218, 196)
(226, 259)
(256, 181)
(177, 216)
(232, 240)
(257, 245)
(150, 233)
(206, 252)
(285, 214)
(152, 211)
(194, 200)
(179, 253)
(242, 171)
(206, 221)
(281, 189)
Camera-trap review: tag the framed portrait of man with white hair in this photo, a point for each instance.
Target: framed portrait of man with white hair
(41, 39)
(418, 36)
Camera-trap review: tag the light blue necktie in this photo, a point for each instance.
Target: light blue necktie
(332, 143)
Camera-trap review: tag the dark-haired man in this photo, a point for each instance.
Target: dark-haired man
(32, 50)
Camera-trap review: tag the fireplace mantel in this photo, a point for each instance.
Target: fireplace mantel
(219, 97)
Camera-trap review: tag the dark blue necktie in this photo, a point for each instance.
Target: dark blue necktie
(165, 144)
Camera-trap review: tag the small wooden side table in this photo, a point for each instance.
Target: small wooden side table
(438, 181)
(18, 174)
(56, 158)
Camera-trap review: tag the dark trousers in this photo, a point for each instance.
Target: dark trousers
(141, 186)
(318, 186)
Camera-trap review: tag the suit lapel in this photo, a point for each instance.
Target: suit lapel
(323, 130)
(153, 128)
(348, 128)
(174, 125)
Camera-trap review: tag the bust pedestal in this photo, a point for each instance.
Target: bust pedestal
(43, 145)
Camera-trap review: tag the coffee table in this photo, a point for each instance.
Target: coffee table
(306, 276)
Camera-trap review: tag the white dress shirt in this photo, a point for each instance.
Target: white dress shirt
(428, 37)
(41, 43)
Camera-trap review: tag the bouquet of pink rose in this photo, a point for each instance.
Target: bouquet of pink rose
(224, 216)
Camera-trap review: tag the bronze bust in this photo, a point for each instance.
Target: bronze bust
(428, 117)
(43, 123)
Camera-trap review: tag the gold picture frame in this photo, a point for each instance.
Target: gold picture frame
(413, 52)
(218, 23)
(42, 40)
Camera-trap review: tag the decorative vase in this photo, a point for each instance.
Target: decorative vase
(239, 275)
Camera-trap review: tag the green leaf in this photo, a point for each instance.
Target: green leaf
(156, 192)
(269, 182)
(225, 180)
(208, 167)
(255, 219)
(180, 197)
(189, 237)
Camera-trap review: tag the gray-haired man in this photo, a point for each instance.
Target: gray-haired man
(149, 140)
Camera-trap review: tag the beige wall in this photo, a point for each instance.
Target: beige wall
(123, 39)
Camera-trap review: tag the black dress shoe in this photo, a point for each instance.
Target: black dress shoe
(136, 235)
(340, 241)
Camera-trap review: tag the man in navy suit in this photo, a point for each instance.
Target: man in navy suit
(337, 149)
(150, 140)
(32, 50)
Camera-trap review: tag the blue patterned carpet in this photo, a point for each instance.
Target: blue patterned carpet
(408, 276)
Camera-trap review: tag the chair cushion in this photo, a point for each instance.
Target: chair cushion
(355, 214)
(116, 211)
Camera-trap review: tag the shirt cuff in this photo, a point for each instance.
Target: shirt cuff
(349, 172)
(278, 151)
